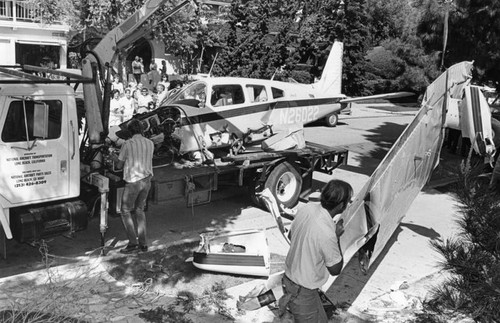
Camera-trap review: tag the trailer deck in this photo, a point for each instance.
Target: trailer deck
(195, 184)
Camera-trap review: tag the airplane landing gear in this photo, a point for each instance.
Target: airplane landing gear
(331, 120)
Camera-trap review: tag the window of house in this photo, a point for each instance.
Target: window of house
(14, 129)
(277, 93)
(257, 93)
(226, 95)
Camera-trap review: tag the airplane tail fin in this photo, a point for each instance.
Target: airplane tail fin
(331, 78)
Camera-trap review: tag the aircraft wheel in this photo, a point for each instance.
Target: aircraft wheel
(285, 183)
(331, 120)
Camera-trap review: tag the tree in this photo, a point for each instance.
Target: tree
(474, 30)
(389, 19)
(180, 34)
(273, 35)
(355, 33)
(55, 11)
(257, 40)
(401, 62)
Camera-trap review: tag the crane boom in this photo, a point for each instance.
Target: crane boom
(105, 53)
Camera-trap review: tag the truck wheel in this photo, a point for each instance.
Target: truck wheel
(332, 119)
(495, 127)
(254, 190)
(285, 183)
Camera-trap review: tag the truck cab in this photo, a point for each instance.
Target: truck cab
(39, 155)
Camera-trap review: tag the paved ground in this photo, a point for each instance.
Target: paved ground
(392, 290)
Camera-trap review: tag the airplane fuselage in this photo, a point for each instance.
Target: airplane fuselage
(214, 110)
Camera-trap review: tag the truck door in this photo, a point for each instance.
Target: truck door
(37, 145)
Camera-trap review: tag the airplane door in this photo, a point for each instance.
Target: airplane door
(36, 149)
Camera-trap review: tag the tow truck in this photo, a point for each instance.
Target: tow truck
(50, 181)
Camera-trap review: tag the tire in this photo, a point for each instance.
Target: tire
(285, 184)
(254, 189)
(495, 127)
(331, 120)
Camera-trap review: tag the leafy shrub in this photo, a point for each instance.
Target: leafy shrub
(473, 256)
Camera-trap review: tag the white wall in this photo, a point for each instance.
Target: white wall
(7, 46)
(36, 34)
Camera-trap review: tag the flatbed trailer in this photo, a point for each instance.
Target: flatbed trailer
(287, 173)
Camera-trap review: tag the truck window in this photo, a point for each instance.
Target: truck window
(227, 95)
(14, 129)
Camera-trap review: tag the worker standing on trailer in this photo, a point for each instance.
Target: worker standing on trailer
(136, 159)
(314, 253)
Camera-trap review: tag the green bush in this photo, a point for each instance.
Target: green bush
(473, 256)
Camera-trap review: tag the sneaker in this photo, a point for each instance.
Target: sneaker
(143, 248)
(130, 249)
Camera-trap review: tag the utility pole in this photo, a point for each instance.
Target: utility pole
(447, 4)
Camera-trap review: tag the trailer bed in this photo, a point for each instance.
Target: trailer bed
(196, 183)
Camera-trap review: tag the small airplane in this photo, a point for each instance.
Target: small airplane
(216, 112)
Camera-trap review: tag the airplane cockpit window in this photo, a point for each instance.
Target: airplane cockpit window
(257, 93)
(196, 91)
(226, 95)
(277, 93)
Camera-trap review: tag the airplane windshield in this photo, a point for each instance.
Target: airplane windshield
(196, 91)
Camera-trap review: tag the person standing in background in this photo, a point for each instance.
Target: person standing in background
(164, 81)
(115, 109)
(163, 69)
(143, 100)
(127, 105)
(135, 98)
(161, 94)
(117, 84)
(137, 69)
(153, 76)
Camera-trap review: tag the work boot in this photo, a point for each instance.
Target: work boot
(130, 249)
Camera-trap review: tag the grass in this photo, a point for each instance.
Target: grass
(51, 302)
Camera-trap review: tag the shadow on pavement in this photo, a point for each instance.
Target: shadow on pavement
(166, 222)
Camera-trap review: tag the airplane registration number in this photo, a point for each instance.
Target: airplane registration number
(299, 115)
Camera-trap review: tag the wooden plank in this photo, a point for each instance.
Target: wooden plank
(21, 74)
(72, 76)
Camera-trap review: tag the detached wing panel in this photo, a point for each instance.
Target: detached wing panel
(383, 202)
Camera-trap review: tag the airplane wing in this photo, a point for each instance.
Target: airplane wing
(392, 95)
(384, 200)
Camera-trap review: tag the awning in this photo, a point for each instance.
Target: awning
(38, 42)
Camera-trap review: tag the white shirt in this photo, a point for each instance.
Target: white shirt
(115, 112)
(137, 153)
(313, 247)
(144, 100)
(161, 97)
(117, 86)
(127, 107)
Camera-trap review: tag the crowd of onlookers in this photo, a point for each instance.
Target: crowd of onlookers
(142, 93)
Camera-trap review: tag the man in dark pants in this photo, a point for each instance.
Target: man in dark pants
(314, 253)
(136, 159)
(137, 69)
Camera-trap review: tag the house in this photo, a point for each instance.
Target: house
(24, 40)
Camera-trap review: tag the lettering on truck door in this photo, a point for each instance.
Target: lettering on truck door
(33, 157)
